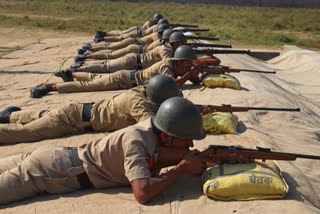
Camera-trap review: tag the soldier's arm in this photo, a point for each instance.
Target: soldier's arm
(192, 75)
(187, 163)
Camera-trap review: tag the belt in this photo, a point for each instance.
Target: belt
(82, 178)
(133, 75)
(141, 49)
(86, 112)
(139, 66)
(139, 31)
(86, 115)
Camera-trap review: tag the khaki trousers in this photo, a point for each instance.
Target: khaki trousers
(127, 62)
(114, 45)
(134, 48)
(121, 37)
(45, 124)
(118, 32)
(48, 169)
(100, 54)
(122, 44)
(98, 82)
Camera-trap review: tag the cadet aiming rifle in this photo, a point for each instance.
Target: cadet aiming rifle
(211, 69)
(229, 108)
(221, 154)
(195, 45)
(204, 38)
(216, 51)
(182, 25)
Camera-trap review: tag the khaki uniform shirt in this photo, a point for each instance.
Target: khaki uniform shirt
(150, 30)
(152, 45)
(159, 53)
(122, 110)
(122, 156)
(149, 39)
(164, 67)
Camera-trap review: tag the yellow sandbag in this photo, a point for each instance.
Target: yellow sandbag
(221, 80)
(251, 181)
(220, 122)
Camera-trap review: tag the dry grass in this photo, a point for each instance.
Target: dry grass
(236, 25)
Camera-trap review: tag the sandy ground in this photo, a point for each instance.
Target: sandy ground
(295, 85)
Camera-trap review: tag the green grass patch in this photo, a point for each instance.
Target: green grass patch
(248, 25)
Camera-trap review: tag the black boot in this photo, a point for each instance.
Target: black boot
(86, 46)
(5, 114)
(100, 33)
(87, 52)
(77, 65)
(66, 75)
(40, 91)
(80, 58)
(81, 51)
(98, 39)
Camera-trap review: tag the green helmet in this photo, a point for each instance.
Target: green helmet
(166, 34)
(161, 87)
(157, 17)
(180, 118)
(177, 37)
(184, 52)
(163, 21)
(162, 27)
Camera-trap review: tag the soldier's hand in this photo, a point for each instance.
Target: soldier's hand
(192, 163)
(194, 72)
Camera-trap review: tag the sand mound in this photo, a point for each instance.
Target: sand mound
(296, 85)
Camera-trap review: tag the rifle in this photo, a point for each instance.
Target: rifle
(195, 45)
(220, 154)
(216, 51)
(192, 30)
(211, 69)
(182, 25)
(229, 108)
(204, 38)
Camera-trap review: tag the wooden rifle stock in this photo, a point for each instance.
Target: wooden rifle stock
(221, 154)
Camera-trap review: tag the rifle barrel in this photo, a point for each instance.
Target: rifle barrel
(267, 72)
(216, 51)
(272, 109)
(204, 38)
(193, 30)
(208, 45)
(230, 108)
(183, 25)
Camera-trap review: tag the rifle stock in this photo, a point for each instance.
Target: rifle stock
(221, 154)
(230, 108)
